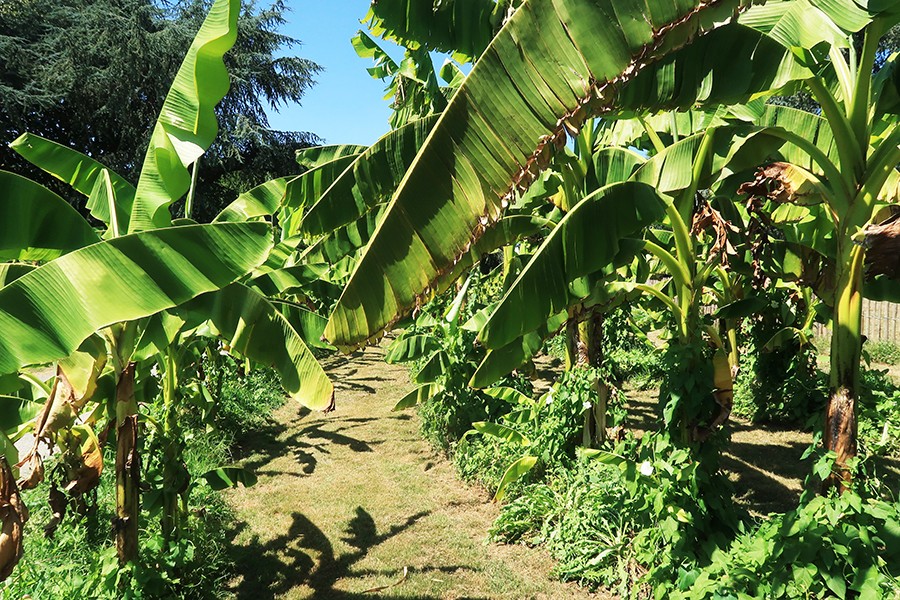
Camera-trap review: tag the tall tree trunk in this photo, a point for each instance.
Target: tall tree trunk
(128, 468)
(846, 350)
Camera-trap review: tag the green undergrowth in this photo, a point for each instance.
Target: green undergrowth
(627, 519)
(79, 560)
(644, 522)
(883, 352)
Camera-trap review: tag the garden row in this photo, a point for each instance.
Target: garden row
(599, 155)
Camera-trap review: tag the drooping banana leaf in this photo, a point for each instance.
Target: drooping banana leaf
(187, 122)
(37, 224)
(252, 326)
(464, 27)
(9, 272)
(311, 158)
(78, 170)
(308, 324)
(554, 64)
(411, 347)
(290, 194)
(47, 313)
(261, 201)
(372, 179)
(499, 362)
(586, 240)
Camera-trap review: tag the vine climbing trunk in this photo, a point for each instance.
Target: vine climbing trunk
(846, 350)
(128, 468)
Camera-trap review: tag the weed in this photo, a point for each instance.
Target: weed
(883, 352)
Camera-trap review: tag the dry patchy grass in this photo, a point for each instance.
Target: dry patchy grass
(346, 501)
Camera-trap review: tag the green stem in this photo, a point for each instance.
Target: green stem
(673, 266)
(189, 200)
(128, 469)
(846, 350)
(658, 144)
(849, 151)
(171, 456)
(862, 93)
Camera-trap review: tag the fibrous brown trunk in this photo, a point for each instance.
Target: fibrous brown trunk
(128, 469)
(840, 436)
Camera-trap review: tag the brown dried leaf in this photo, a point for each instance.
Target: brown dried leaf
(13, 515)
(882, 242)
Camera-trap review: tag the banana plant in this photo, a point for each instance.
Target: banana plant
(145, 265)
(494, 136)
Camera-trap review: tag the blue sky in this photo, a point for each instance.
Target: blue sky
(346, 106)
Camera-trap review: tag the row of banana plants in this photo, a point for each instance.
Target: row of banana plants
(110, 321)
(816, 190)
(626, 147)
(636, 143)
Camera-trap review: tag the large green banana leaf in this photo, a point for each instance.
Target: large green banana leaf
(252, 326)
(585, 241)
(554, 64)
(187, 122)
(78, 170)
(806, 23)
(289, 193)
(48, 312)
(314, 156)
(37, 224)
(372, 179)
(464, 27)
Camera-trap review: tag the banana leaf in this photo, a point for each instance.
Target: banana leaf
(585, 241)
(554, 64)
(79, 171)
(47, 313)
(252, 326)
(37, 224)
(371, 181)
(187, 122)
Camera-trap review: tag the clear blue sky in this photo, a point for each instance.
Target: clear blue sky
(346, 106)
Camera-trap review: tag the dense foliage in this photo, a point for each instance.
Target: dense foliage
(93, 75)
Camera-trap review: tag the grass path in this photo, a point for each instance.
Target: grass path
(346, 501)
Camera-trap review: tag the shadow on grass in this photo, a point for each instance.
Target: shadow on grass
(304, 556)
(304, 442)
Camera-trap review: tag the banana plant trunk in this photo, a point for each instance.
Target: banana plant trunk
(846, 349)
(174, 481)
(595, 359)
(128, 468)
(584, 348)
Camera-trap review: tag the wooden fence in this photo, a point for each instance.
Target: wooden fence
(881, 322)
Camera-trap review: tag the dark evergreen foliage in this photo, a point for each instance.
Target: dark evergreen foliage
(93, 74)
